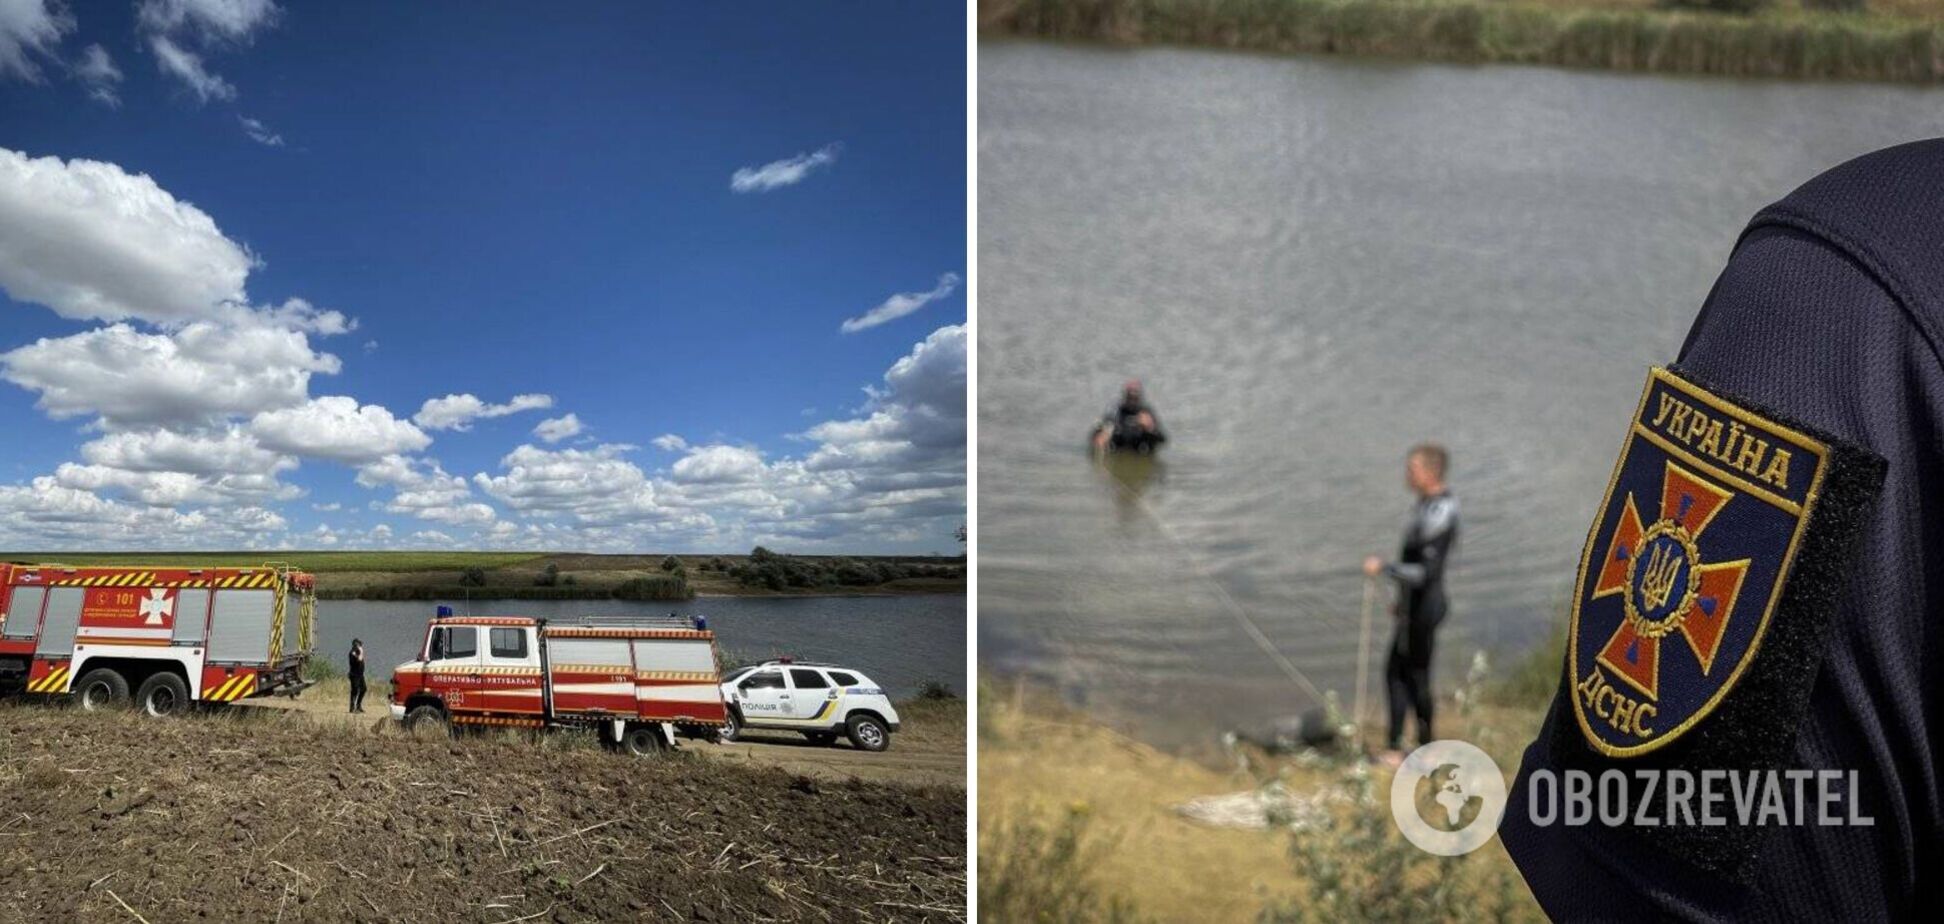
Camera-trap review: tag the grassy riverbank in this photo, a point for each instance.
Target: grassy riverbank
(1891, 40)
(382, 575)
(1083, 820)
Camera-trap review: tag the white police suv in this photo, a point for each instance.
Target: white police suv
(821, 701)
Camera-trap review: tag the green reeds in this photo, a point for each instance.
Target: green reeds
(1776, 43)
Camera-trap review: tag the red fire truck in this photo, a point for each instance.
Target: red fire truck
(169, 636)
(638, 682)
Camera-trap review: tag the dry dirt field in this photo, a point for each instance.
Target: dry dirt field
(271, 816)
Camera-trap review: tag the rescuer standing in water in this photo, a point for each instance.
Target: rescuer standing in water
(1419, 573)
(1130, 425)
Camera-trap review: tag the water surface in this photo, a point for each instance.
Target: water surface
(900, 642)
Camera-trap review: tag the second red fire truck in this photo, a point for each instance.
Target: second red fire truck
(639, 682)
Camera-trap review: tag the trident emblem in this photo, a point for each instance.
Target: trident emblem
(1657, 580)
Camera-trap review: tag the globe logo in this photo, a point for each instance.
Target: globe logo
(1451, 808)
(1448, 798)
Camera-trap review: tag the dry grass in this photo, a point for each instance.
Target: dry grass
(1041, 765)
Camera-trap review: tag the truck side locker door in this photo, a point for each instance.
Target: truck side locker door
(63, 619)
(23, 613)
(191, 616)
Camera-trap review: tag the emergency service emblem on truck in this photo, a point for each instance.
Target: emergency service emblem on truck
(165, 636)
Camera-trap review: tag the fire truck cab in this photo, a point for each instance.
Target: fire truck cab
(638, 682)
(165, 637)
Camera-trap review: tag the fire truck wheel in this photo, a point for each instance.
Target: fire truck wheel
(425, 720)
(821, 739)
(163, 693)
(867, 734)
(101, 688)
(643, 741)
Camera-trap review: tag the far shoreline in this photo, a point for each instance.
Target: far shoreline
(447, 576)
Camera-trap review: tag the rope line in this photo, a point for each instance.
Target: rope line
(1242, 616)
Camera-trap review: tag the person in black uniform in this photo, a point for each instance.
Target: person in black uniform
(1828, 319)
(1419, 573)
(1131, 425)
(355, 670)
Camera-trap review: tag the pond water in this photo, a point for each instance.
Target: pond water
(901, 642)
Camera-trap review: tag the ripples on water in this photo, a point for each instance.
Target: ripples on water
(1313, 263)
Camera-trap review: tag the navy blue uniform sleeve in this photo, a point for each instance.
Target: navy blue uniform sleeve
(1797, 323)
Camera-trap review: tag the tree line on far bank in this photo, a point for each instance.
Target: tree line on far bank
(765, 568)
(1757, 6)
(761, 569)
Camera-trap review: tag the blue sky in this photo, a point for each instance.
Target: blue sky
(243, 244)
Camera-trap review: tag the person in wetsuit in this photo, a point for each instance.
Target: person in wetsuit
(1130, 425)
(355, 669)
(1419, 572)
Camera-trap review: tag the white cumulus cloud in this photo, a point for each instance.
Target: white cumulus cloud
(91, 241)
(593, 485)
(894, 474)
(48, 514)
(457, 412)
(719, 465)
(229, 450)
(555, 429)
(204, 370)
(338, 428)
(421, 488)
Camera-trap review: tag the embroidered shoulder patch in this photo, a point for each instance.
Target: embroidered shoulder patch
(1703, 519)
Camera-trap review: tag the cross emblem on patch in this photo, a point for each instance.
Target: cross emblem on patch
(1667, 588)
(1683, 568)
